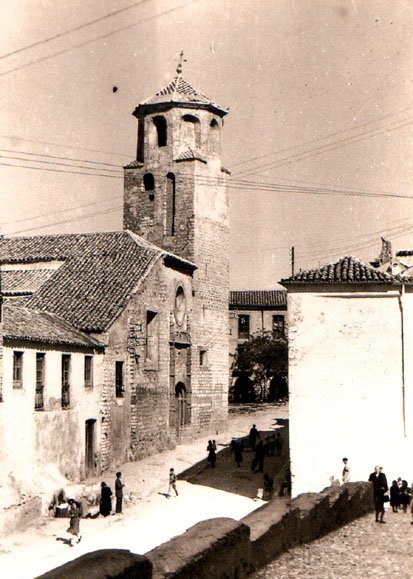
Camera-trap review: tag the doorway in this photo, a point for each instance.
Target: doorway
(90, 446)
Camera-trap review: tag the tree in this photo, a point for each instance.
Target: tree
(261, 358)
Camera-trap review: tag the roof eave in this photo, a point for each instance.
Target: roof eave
(147, 108)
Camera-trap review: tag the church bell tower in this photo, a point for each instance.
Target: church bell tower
(175, 196)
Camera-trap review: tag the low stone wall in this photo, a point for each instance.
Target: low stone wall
(110, 563)
(226, 549)
(277, 527)
(211, 549)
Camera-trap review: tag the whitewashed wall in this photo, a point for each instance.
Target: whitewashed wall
(35, 440)
(345, 380)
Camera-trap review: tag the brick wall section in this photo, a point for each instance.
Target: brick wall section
(202, 236)
(137, 424)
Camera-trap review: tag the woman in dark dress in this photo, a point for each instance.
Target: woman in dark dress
(394, 496)
(105, 500)
(212, 457)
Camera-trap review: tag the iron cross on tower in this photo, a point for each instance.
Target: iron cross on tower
(180, 63)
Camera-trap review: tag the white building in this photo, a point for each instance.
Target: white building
(350, 373)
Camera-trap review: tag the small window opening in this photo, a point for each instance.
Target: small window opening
(40, 372)
(17, 369)
(149, 182)
(119, 379)
(243, 326)
(66, 358)
(161, 130)
(88, 372)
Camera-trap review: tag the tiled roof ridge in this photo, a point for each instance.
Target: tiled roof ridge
(190, 154)
(66, 235)
(347, 269)
(163, 252)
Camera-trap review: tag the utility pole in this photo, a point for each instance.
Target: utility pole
(292, 257)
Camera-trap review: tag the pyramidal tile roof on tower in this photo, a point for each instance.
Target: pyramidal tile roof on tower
(179, 91)
(346, 270)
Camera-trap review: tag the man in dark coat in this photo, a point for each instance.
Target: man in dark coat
(254, 434)
(380, 487)
(119, 492)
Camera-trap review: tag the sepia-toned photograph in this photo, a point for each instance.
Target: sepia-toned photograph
(206, 289)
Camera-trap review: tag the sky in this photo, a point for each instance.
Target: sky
(318, 137)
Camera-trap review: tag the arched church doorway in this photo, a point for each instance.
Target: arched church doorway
(244, 390)
(182, 410)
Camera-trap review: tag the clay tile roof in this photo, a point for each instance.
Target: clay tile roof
(97, 277)
(258, 298)
(180, 92)
(23, 323)
(23, 281)
(190, 155)
(345, 270)
(133, 165)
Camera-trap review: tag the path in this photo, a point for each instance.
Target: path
(361, 549)
(152, 520)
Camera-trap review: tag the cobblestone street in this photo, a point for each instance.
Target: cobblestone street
(361, 549)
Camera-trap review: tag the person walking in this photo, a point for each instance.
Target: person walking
(212, 456)
(268, 484)
(75, 512)
(237, 447)
(172, 482)
(394, 496)
(119, 492)
(379, 481)
(258, 457)
(254, 434)
(105, 503)
(346, 471)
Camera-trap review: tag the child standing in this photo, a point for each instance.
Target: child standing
(172, 482)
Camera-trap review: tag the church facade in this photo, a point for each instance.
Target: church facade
(115, 345)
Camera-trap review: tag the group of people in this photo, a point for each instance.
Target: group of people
(400, 494)
(76, 510)
(212, 453)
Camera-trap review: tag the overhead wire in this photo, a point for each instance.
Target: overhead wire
(106, 35)
(75, 29)
(353, 128)
(327, 147)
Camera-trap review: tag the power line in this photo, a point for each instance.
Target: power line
(75, 208)
(14, 137)
(206, 181)
(57, 157)
(85, 43)
(94, 214)
(320, 138)
(325, 148)
(59, 164)
(80, 27)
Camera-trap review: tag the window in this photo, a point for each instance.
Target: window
(278, 325)
(192, 130)
(120, 388)
(170, 204)
(66, 360)
(243, 326)
(214, 135)
(202, 357)
(161, 130)
(40, 367)
(17, 369)
(180, 306)
(88, 371)
(149, 182)
(152, 336)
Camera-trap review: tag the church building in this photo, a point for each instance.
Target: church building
(115, 345)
